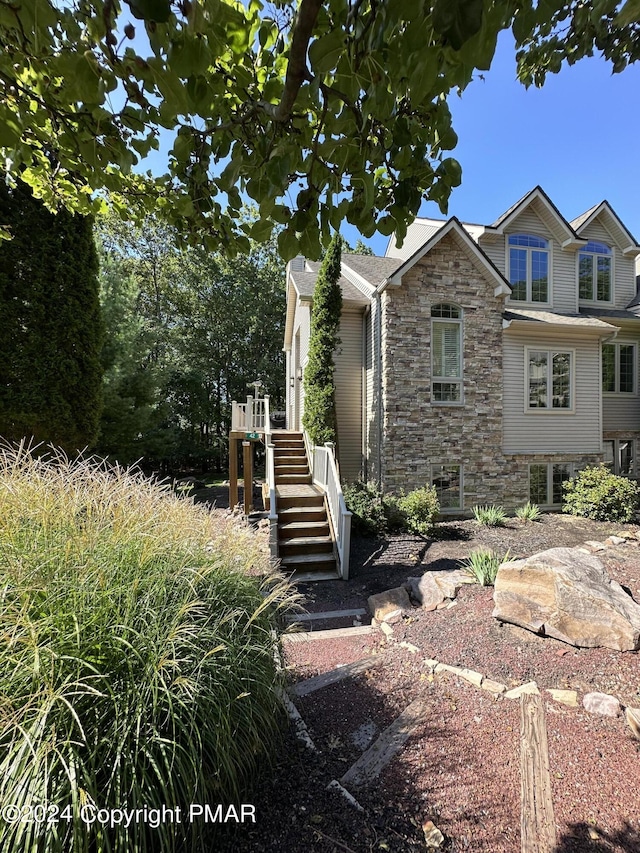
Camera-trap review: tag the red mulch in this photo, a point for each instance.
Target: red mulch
(461, 767)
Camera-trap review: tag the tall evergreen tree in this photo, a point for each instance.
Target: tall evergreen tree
(50, 369)
(319, 418)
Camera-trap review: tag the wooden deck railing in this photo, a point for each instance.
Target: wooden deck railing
(251, 416)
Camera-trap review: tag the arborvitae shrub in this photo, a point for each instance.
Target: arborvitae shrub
(319, 418)
(50, 366)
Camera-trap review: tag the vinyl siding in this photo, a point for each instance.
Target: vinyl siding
(348, 378)
(622, 411)
(552, 432)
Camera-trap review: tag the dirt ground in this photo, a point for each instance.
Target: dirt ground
(461, 768)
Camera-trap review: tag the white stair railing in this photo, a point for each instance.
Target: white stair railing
(270, 462)
(250, 416)
(324, 473)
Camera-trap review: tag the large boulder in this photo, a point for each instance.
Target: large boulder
(567, 594)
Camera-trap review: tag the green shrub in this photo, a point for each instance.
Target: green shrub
(483, 565)
(528, 512)
(365, 501)
(137, 662)
(598, 494)
(489, 516)
(420, 509)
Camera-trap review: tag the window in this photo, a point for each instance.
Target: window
(618, 368)
(594, 272)
(529, 268)
(619, 456)
(549, 379)
(546, 481)
(446, 353)
(447, 481)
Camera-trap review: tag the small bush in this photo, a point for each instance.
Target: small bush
(528, 512)
(137, 660)
(395, 519)
(598, 494)
(483, 565)
(420, 509)
(366, 502)
(489, 516)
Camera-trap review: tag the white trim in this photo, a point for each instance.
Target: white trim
(550, 410)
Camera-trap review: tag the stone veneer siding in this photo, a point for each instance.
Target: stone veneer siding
(418, 434)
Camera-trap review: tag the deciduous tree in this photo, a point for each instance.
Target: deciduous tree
(317, 110)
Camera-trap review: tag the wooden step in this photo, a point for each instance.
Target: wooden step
(302, 545)
(293, 479)
(291, 469)
(309, 562)
(293, 529)
(302, 515)
(289, 457)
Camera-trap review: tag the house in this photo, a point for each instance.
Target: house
(493, 361)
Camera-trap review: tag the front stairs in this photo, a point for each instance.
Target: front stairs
(305, 544)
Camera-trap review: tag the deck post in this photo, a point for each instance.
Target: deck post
(247, 475)
(233, 471)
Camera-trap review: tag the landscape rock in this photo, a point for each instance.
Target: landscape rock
(615, 540)
(387, 606)
(529, 688)
(566, 594)
(450, 582)
(433, 838)
(566, 697)
(492, 686)
(632, 716)
(595, 545)
(601, 703)
(425, 591)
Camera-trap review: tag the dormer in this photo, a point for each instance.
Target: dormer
(605, 264)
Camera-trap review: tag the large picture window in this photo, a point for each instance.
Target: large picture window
(529, 268)
(446, 353)
(595, 272)
(549, 379)
(619, 368)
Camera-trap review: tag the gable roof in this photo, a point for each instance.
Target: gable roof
(453, 226)
(625, 240)
(536, 197)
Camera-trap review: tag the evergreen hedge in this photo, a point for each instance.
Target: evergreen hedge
(319, 417)
(50, 366)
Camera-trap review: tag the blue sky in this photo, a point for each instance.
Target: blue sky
(578, 137)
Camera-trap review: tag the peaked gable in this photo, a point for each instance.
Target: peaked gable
(612, 223)
(454, 227)
(539, 202)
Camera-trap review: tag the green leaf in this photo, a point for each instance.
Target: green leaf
(325, 52)
(457, 20)
(287, 244)
(150, 10)
(629, 14)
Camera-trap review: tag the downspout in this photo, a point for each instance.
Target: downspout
(377, 344)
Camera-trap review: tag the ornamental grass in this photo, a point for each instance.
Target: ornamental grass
(137, 655)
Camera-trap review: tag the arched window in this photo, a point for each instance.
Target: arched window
(446, 353)
(595, 272)
(529, 268)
